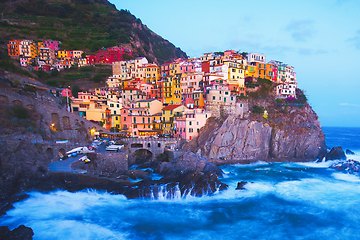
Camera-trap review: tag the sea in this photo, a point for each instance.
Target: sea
(280, 201)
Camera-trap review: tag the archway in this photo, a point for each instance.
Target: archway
(4, 99)
(62, 152)
(17, 103)
(66, 123)
(30, 107)
(139, 156)
(49, 153)
(55, 119)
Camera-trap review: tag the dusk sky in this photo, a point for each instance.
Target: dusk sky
(321, 39)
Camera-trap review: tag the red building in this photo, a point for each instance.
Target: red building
(112, 54)
(90, 60)
(205, 67)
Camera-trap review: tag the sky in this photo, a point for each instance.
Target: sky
(320, 38)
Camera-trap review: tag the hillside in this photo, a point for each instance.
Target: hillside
(84, 25)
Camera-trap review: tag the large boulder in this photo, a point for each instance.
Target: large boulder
(335, 153)
(19, 233)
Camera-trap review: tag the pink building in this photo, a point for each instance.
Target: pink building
(188, 126)
(52, 44)
(66, 93)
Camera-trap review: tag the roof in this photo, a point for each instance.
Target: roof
(146, 100)
(129, 88)
(172, 107)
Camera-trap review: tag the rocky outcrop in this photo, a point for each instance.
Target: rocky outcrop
(19, 233)
(336, 153)
(350, 166)
(296, 135)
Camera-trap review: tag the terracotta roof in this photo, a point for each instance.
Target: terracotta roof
(129, 88)
(172, 107)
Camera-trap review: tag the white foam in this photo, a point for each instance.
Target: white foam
(318, 164)
(346, 177)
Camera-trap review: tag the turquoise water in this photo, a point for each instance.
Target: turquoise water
(281, 201)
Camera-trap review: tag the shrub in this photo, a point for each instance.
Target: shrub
(21, 112)
(87, 69)
(279, 101)
(258, 109)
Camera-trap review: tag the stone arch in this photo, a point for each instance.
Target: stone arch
(142, 155)
(62, 152)
(55, 119)
(136, 145)
(66, 123)
(17, 103)
(49, 153)
(30, 107)
(4, 99)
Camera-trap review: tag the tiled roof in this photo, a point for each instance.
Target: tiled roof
(172, 107)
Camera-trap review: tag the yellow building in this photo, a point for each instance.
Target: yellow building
(152, 73)
(199, 99)
(174, 68)
(176, 89)
(167, 93)
(61, 54)
(251, 71)
(169, 113)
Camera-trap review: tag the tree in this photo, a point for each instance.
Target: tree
(75, 90)
(54, 72)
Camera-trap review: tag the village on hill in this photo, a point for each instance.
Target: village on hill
(175, 99)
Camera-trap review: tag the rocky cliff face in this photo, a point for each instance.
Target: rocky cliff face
(290, 133)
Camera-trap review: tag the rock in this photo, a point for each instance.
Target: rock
(335, 153)
(210, 167)
(137, 174)
(240, 185)
(296, 135)
(349, 152)
(19, 233)
(350, 166)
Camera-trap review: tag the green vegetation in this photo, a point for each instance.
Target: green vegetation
(258, 109)
(21, 112)
(87, 25)
(75, 90)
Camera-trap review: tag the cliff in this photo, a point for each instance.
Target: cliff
(288, 133)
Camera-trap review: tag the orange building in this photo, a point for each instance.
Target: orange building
(14, 48)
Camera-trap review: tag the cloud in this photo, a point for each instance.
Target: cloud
(301, 31)
(355, 40)
(349, 105)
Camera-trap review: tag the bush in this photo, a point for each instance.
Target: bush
(74, 90)
(258, 109)
(97, 78)
(21, 112)
(54, 72)
(279, 101)
(87, 69)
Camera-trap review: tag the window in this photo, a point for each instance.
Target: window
(190, 123)
(135, 126)
(213, 97)
(116, 118)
